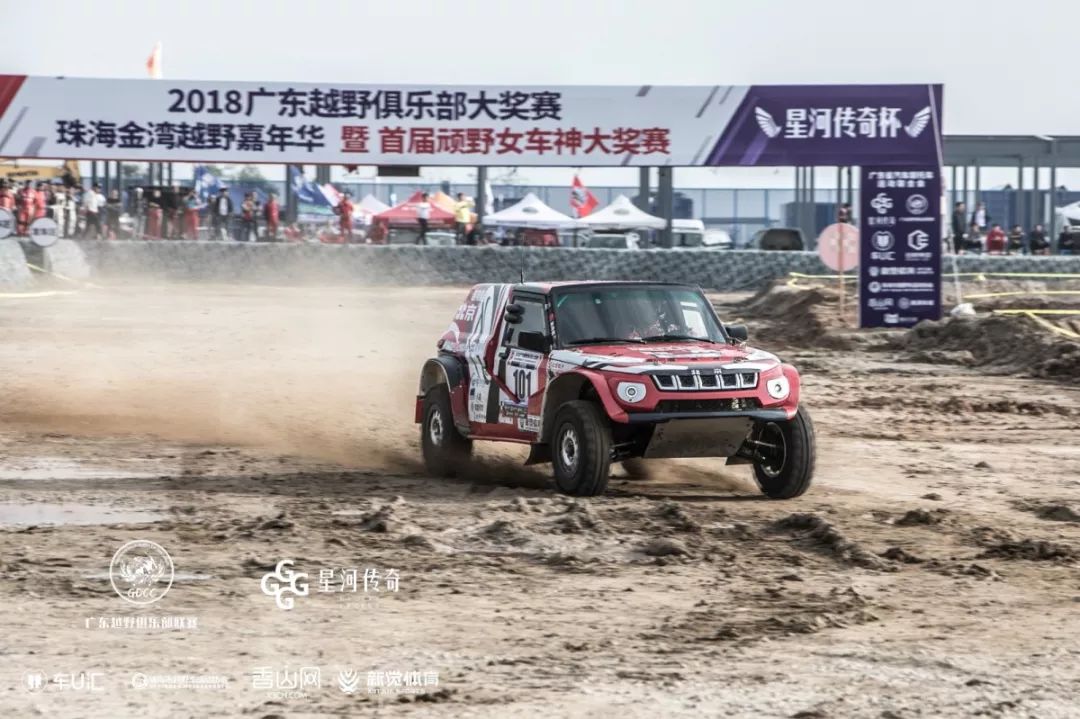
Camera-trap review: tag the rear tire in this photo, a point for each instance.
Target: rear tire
(787, 473)
(581, 449)
(446, 451)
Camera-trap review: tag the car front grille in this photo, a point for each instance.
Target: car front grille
(705, 381)
(670, 406)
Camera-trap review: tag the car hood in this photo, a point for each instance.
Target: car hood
(671, 356)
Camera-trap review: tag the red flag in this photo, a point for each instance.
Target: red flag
(153, 63)
(581, 199)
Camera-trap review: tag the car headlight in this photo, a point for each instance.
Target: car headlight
(630, 391)
(778, 388)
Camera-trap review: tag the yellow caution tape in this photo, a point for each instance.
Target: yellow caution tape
(1019, 293)
(30, 295)
(59, 276)
(1053, 328)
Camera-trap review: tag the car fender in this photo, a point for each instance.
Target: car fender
(448, 370)
(573, 385)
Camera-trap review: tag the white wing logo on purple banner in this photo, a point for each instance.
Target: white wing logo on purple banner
(766, 122)
(918, 123)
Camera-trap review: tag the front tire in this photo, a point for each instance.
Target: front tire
(784, 470)
(445, 450)
(581, 449)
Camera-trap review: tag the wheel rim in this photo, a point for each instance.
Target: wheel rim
(568, 448)
(435, 427)
(773, 457)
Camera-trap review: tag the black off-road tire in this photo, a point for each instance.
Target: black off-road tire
(581, 449)
(445, 451)
(793, 476)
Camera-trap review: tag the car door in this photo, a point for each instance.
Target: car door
(521, 370)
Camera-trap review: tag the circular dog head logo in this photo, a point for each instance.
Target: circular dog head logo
(141, 572)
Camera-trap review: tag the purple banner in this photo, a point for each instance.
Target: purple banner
(833, 125)
(900, 254)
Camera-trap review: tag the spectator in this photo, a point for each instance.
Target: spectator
(138, 210)
(996, 240)
(70, 224)
(293, 233)
(7, 197)
(113, 207)
(423, 214)
(1017, 240)
(958, 217)
(345, 213)
(220, 211)
(1038, 243)
(172, 206)
(24, 202)
(272, 214)
(191, 215)
(844, 214)
(980, 218)
(973, 240)
(249, 227)
(93, 202)
(57, 209)
(1068, 241)
(154, 212)
(41, 201)
(462, 217)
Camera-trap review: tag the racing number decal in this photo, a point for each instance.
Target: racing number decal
(523, 379)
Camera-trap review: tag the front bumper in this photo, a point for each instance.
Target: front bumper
(774, 414)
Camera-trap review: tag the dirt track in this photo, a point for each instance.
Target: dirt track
(933, 570)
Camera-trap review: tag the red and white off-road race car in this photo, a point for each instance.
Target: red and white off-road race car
(590, 373)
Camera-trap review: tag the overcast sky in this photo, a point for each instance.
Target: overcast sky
(1007, 66)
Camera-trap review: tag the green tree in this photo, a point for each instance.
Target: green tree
(252, 175)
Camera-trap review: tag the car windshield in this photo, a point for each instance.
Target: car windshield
(633, 314)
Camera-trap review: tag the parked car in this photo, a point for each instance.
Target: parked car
(778, 238)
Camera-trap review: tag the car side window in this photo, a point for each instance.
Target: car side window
(532, 319)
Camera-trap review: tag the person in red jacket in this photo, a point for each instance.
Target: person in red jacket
(25, 202)
(345, 213)
(40, 201)
(996, 240)
(7, 197)
(272, 214)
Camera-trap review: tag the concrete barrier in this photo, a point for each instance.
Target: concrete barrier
(66, 258)
(14, 274)
(412, 265)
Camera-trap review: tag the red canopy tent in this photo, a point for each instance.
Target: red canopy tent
(404, 214)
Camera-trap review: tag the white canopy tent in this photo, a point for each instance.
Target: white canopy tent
(531, 212)
(372, 205)
(622, 214)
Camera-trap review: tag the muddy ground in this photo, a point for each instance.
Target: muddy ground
(933, 570)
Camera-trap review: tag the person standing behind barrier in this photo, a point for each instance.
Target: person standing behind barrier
(958, 218)
(345, 215)
(1038, 243)
(24, 208)
(220, 212)
(154, 213)
(272, 214)
(248, 227)
(93, 201)
(7, 197)
(71, 213)
(462, 217)
(423, 215)
(40, 201)
(191, 216)
(980, 218)
(113, 208)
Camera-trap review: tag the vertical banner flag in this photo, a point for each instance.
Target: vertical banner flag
(207, 184)
(900, 256)
(581, 199)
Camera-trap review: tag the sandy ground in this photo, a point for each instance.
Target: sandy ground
(933, 570)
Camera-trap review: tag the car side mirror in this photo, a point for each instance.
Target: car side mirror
(532, 341)
(739, 333)
(513, 314)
